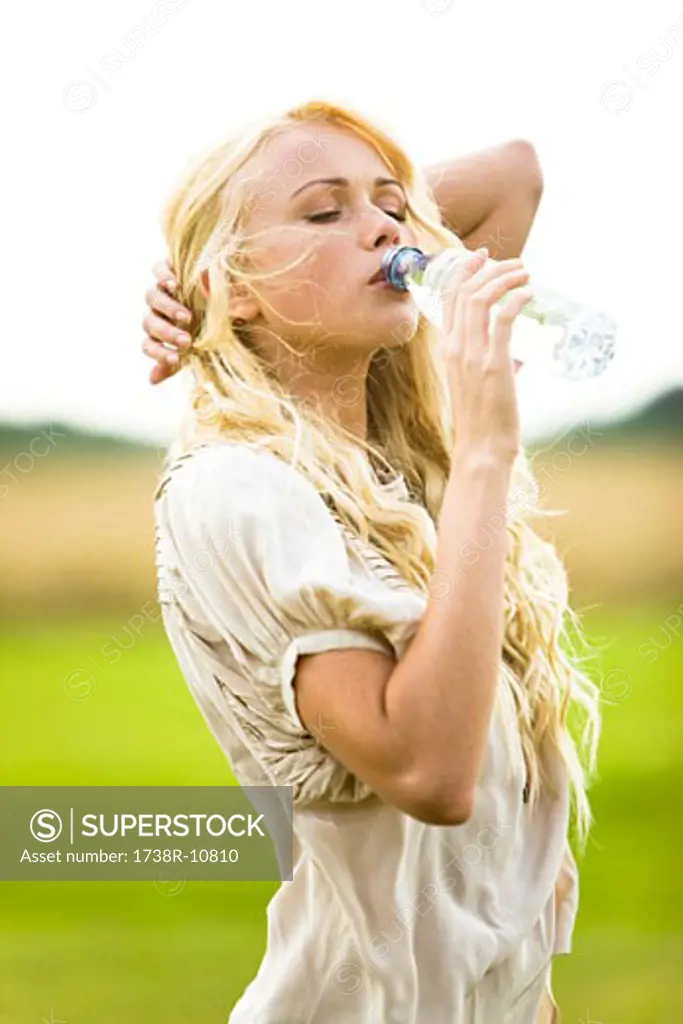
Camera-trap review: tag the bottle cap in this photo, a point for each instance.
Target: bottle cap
(400, 261)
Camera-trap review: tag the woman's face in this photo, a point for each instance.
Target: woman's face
(339, 231)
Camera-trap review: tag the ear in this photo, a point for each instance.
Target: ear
(242, 304)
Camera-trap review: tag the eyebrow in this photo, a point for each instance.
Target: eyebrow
(344, 182)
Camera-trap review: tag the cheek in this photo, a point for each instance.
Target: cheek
(329, 272)
(322, 281)
(318, 282)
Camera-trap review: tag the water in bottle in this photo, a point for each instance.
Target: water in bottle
(552, 332)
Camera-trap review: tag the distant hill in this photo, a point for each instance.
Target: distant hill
(69, 439)
(660, 419)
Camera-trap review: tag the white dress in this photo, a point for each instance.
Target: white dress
(387, 920)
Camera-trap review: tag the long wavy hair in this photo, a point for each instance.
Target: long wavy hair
(235, 393)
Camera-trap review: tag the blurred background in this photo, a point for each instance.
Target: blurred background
(108, 103)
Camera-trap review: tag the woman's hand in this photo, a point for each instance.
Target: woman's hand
(480, 367)
(167, 325)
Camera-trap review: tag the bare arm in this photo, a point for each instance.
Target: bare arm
(490, 197)
(424, 720)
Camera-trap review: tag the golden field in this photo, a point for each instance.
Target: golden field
(78, 529)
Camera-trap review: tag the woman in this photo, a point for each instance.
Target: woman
(354, 594)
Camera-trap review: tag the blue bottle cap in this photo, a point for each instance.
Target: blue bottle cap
(401, 260)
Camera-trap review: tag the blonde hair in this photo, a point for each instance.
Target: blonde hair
(236, 394)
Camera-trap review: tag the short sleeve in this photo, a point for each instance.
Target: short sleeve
(267, 571)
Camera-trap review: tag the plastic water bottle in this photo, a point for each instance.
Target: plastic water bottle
(552, 332)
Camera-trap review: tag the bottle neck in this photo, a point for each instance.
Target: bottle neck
(405, 263)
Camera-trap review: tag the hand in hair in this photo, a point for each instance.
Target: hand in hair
(167, 325)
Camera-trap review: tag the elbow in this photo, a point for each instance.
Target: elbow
(445, 807)
(528, 165)
(442, 817)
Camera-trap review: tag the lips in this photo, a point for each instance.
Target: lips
(379, 276)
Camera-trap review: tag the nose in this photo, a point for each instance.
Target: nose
(382, 230)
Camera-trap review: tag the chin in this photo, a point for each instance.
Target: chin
(402, 332)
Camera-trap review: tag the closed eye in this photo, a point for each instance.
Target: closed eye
(321, 218)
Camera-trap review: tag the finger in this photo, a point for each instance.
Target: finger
(502, 329)
(159, 329)
(163, 271)
(500, 286)
(457, 340)
(449, 294)
(491, 270)
(472, 273)
(478, 305)
(160, 353)
(158, 301)
(160, 373)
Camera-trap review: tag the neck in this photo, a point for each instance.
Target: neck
(333, 384)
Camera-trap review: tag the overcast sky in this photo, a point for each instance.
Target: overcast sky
(105, 103)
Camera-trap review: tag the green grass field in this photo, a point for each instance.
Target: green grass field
(125, 953)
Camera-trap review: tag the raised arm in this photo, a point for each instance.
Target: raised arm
(490, 197)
